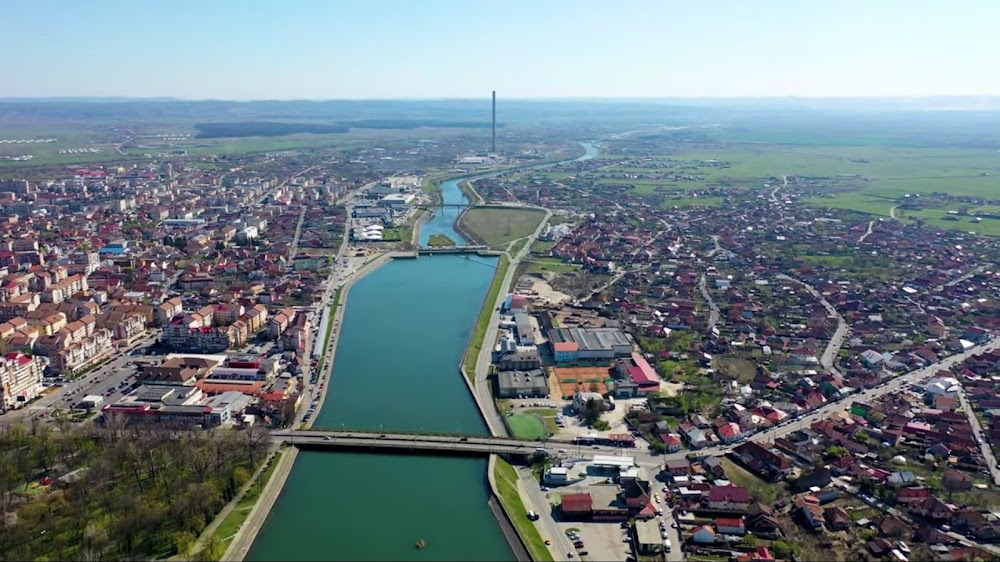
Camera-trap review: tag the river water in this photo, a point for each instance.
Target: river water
(443, 220)
(404, 332)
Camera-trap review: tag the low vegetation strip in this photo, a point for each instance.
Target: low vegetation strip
(224, 533)
(440, 241)
(329, 326)
(506, 479)
(483, 324)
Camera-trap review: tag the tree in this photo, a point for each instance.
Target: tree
(592, 411)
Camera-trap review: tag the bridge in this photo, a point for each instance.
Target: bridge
(509, 205)
(437, 443)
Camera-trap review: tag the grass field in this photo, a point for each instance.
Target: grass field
(496, 227)
(553, 265)
(527, 426)
(483, 322)
(506, 479)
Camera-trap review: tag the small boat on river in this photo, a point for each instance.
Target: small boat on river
(421, 543)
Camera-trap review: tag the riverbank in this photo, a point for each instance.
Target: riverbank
(503, 517)
(243, 540)
(337, 320)
(470, 192)
(247, 533)
(476, 342)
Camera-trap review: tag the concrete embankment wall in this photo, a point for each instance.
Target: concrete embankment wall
(338, 317)
(247, 533)
(503, 518)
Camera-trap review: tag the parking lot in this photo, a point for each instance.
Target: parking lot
(602, 541)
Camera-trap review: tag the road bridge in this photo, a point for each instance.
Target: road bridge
(440, 443)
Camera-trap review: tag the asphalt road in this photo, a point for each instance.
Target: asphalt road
(536, 501)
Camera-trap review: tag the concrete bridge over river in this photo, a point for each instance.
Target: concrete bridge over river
(442, 444)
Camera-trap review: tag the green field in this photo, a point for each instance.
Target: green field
(527, 426)
(550, 265)
(497, 227)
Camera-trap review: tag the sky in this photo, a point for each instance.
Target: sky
(419, 49)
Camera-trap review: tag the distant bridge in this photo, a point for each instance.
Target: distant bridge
(477, 250)
(435, 443)
(432, 206)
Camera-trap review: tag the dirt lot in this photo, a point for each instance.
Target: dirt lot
(545, 293)
(582, 379)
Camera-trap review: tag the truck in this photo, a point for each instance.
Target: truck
(666, 545)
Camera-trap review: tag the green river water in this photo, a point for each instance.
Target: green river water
(404, 332)
(405, 329)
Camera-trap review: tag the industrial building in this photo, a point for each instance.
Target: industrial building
(570, 345)
(525, 333)
(397, 200)
(522, 384)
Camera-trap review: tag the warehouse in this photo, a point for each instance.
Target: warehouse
(525, 333)
(591, 344)
(522, 384)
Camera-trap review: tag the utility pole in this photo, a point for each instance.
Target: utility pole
(494, 145)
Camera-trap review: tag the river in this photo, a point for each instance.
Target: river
(443, 220)
(405, 330)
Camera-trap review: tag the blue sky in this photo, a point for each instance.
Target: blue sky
(356, 49)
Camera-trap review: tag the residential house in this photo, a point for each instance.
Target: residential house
(735, 499)
(730, 526)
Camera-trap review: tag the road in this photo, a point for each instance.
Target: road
(643, 458)
(535, 500)
(482, 384)
(867, 232)
(984, 445)
(293, 248)
(835, 343)
(774, 192)
(343, 275)
(956, 281)
(713, 316)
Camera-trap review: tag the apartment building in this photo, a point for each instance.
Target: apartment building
(20, 380)
(65, 289)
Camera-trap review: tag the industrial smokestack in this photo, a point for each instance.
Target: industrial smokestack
(494, 122)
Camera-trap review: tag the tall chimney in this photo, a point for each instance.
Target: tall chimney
(494, 122)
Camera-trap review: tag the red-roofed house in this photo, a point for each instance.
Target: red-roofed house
(729, 498)
(730, 526)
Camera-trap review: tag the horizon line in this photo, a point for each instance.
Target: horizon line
(112, 98)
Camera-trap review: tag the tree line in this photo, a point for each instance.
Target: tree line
(117, 492)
